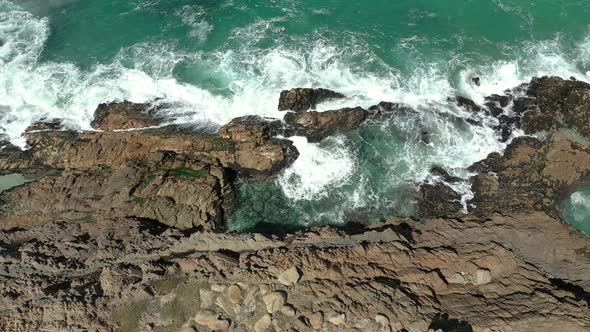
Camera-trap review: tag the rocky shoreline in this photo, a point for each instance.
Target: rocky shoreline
(123, 228)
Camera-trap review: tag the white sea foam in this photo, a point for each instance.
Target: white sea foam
(536, 60)
(319, 168)
(580, 199)
(580, 202)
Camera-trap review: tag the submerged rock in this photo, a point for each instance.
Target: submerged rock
(303, 99)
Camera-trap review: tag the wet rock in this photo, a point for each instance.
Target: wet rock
(438, 199)
(387, 110)
(124, 115)
(48, 124)
(15, 160)
(552, 103)
(274, 301)
(530, 175)
(439, 171)
(468, 104)
(290, 277)
(318, 125)
(507, 124)
(498, 100)
(303, 99)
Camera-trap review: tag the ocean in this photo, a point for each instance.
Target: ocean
(216, 60)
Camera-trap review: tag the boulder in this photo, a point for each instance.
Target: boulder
(468, 104)
(263, 324)
(290, 277)
(303, 99)
(211, 320)
(318, 125)
(124, 115)
(47, 124)
(316, 320)
(255, 151)
(274, 301)
(234, 293)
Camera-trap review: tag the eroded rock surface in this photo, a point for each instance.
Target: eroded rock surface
(526, 272)
(170, 175)
(552, 103)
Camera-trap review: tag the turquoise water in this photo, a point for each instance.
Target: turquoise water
(577, 210)
(11, 180)
(220, 59)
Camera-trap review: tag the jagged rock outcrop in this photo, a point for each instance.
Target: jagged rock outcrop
(256, 151)
(303, 99)
(532, 173)
(171, 175)
(318, 125)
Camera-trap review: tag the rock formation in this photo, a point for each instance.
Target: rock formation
(171, 175)
(87, 246)
(303, 99)
(319, 125)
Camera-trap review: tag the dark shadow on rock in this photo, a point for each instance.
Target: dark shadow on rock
(446, 324)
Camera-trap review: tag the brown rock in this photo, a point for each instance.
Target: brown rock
(234, 293)
(212, 321)
(302, 99)
(274, 301)
(124, 115)
(554, 103)
(263, 324)
(318, 125)
(48, 124)
(256, 152)
(290, 276)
